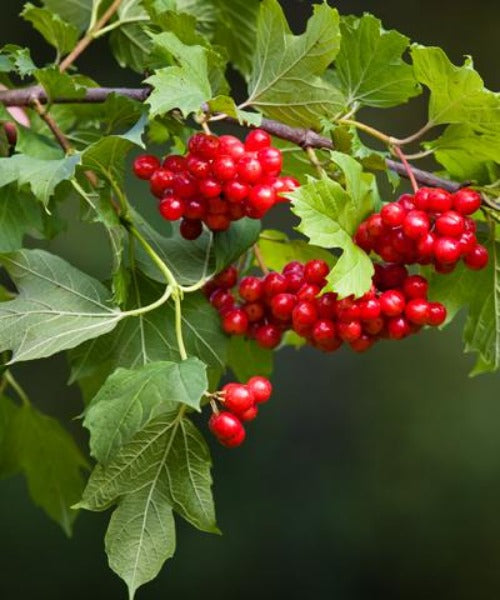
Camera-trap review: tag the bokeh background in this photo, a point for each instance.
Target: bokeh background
(373, 476)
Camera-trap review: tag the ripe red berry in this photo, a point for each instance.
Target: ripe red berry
(231, 146)
(190, 229)
(421, 199)
(282, 306)
(467, 242)
(225, 425)
(375, 225)
(255, 311)
(250, 414)
(194, 208)
(439, 200)
(198, 167)
(350, 331)
(171, 208)
(262, 198)
(307, 291)
(415, 286)
(447, 250)
(216, 206)
(145, 165)
(374, 326)
(369, 309)
(392, 303)
(323, 331)
(224, 168)
(209, 187)
(437, 314)
(227, 278)
(450, 224)
(237, 398)
(304, 315)
(268, 336)
(275, 283)
(217, 222)
(221, 299)
(236, 191)
(271, 160)
(257, 139)
(315, 271)
(295, 281)
(160, 181)
(348, 310)
(416, 224)
(407, 201)
(235, 441)
(184, 185)
(208, 146)
(417, 311)
(477, 258)
(363, 343)
(398, 328)
(425, 246)
(327, 305)
(466, 201)
(393, 214)
(251, 289)
(175, 163)
(235, 322)
(261, 388)
(249, 169)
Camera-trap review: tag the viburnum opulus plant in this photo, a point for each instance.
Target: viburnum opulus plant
(210, 290)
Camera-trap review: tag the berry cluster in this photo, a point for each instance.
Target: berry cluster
(395, 306)
(220, 180)
(240, 404)
(431, 227)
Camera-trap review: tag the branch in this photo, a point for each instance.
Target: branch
(305, 138)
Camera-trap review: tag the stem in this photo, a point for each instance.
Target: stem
(260, 259)
(52, 125)
(314, 160)
(414, 137)
(117, 24)
(137, 312)
(370, 130)
(408, 168)
(178, 326)
(88, 38)
(155, 258)
(16, 386)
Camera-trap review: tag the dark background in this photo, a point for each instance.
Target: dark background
(373, 476)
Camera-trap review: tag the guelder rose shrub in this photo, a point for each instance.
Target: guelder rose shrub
(197, 302)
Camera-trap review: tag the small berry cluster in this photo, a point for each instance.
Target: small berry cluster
(395, 306)
(240, 405)
(430, 227)
(220, 180)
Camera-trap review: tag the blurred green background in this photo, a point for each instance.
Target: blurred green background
(373, 476)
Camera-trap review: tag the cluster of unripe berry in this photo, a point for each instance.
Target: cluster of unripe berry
(240, 402)
(395, 306)
(431, 227)
(220, 180)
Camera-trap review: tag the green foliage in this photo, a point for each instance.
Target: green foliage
(145, 345)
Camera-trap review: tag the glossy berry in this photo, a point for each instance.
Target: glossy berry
(231, 146)
(274, 283)
(237, 398)
(350, 331)
(257, 139)
(225, 425)
(171, 208)
(477, 258)
(282, 306)
(415, 286)
(315, 272)
(262, 198)
(234, 441)
(251, 289)
(268, 336)
(145, 165)
(160, 181)
(450, 223)
(436, 315)
(249, 169)
(416, 224)
(235, 322)
(447, 250)
(224, 168)
(466, 201)
(417, 311)
(194, 209)
(439, 200)
(393, 214)
(227, 278)
(250, 414)
(392, 303)
(191, 229)
(261, 388)
(323, 331)
(304, 315)
(271, 160)
(398, 328)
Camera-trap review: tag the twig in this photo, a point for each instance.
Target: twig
(88, 38)
(260, 259)
(408, 168)
(52, 125)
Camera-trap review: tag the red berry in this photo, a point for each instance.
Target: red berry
(271, 160)
(304, 315)
(184, 185)
(398, 328)
(251, 288)
(467, 242)
(261, 388)
(407, 201)
(249, 169)
(369, 309)
(282, 306)
(231, 146)
(208, 146)
(363, 237)
(466, 201)
(145, 165)
(323, 331)
(363, 343)
(295, 281)
(262, 198)
(315, 271)
(237, 398)
(392, 303)
(255, 311)
(194, 208)
(350, 331)
(416, 224)
(374, 327)
(477, 258)
(327, 305)
(171, 208)
(390, 276)
(257, 139)
(236, 211)
(439, 200)
(227, 278)
(307, 291)
(160, 181)
(415, 286)
(348, 310)
(268, 336)
(393, 214)
(235, 322)
(175, 163)
(437, 314)
(191, 229)
(198, 167)
(234, 441)
(425, 247)
(217, 206)
(450, 223)
(221, 299)
(209, 187)
(217, 222)
(225, 425)
(417, 311)
(447, 250)
(250, 414)
(275, 283)
(195, 142)
(235, 191)
(375, 225)
(421, 198)
(224, 168)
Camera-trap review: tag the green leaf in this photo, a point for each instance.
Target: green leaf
(246, 358)
(129, 42)
(16, 58)
(458, 94)
(186, 86)
(131, 398)
(58, 306)
(194, 261)
(329, 217)
(61, 85)
(58, 33)
(226, 105)
(151, 337)
(285, 82)
(42, 176)
(369, 66)
(77, 12)
(140, 537)
(278, 250)
(50, 461)
(19, 214)
(480, 292)
(237, 31)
